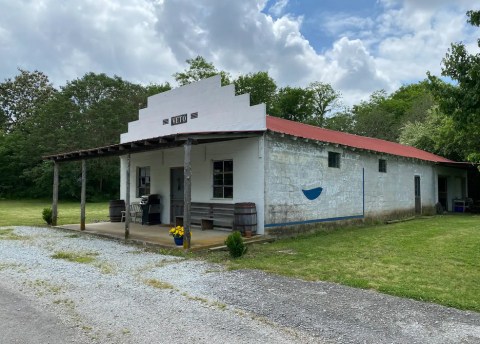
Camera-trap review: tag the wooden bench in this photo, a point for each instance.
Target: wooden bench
(210, 216)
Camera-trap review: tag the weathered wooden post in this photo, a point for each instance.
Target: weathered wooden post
(127, 199)
(187, 182)
(55, 194)
(83, 195)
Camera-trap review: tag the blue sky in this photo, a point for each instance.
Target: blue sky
(315, 13)
(358, 46)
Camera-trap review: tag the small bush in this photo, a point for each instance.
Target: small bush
(235, 245)
(47, 215)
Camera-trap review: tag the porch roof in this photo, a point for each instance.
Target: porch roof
(155, 143)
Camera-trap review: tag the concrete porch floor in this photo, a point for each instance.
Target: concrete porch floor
(155, 235)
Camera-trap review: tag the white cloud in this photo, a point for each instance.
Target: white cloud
(278, 8)
(147, 41)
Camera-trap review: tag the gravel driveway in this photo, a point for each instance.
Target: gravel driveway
(130, 296)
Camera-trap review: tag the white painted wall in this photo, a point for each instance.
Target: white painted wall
(248, 173)
(395, 190)
(292, 165)
(218, 110)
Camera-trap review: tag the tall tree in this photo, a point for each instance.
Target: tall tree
(341, 121)
(462, 101)
(87, 112)
(436, 134)
(383, 116)
(294, 103)
(325, 100)
(198, 69)
(374, 119)
(21, 96)
(153, 89)
(260, 85)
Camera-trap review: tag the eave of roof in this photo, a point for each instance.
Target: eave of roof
(155, 143)
(283, 126)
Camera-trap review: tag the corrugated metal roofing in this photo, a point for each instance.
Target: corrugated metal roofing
(280, 125)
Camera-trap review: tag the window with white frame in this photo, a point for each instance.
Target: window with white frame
(334, 159)
(143, 181)
(223, 179)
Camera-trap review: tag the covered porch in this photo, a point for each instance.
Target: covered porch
(164, 155)
(151, 236)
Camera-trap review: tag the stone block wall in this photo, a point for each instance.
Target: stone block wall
(354, 190)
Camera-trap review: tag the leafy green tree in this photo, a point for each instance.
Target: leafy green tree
(294, 103)
(88, 112)
(341, 121)
(198, 69)
(436, 134)
(383, 116)
(325, 100)
(373, 118)
(462, 101)
(21, 96)
(153, 89)
(260, 85)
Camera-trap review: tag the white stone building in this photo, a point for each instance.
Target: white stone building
(295, 174)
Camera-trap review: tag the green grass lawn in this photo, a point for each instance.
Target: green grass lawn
(433, 259)
(29, 212)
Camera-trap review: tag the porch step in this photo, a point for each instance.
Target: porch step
(248, 241)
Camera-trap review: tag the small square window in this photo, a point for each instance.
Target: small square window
(382, 165)
(333, 159)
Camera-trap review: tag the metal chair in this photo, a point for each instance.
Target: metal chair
(135, 213)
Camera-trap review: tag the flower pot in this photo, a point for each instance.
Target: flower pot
(178, 241)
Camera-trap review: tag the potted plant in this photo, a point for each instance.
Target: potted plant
(178, 233)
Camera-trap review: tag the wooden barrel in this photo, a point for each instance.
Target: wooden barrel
(245, 217)
(115, 210)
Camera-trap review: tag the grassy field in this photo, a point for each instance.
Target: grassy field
(433, 259)
(29, 212)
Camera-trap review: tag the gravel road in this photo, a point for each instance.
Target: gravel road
(127, 296)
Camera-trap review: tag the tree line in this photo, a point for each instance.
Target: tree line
(37, 119)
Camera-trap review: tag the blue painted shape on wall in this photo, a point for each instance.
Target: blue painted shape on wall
(312, 194)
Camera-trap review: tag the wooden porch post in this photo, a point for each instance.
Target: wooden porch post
(55, 194)
(187, 171)
(83, 195)
(127, 200)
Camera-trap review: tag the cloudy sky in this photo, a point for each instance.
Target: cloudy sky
(358, 46)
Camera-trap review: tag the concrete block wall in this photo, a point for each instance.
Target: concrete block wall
(293, 164)
(394, 191)
(248, 173)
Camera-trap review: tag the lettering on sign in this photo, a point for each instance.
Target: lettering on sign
(180, 119)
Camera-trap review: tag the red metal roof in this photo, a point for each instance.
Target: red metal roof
(306, 131)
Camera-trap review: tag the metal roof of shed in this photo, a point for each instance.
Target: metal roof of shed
(306, 131)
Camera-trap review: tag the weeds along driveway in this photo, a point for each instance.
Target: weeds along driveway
(121, 294)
